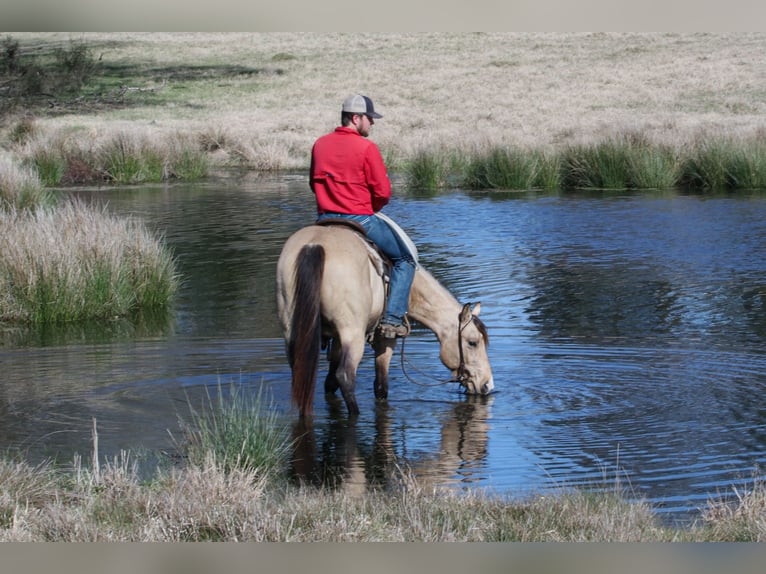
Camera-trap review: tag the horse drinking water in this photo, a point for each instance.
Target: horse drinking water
(331, 294)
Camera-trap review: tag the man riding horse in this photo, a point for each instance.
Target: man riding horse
(349, 179)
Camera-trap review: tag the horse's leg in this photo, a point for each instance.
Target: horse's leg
(351, 352)
(384, 350)
(331, 381)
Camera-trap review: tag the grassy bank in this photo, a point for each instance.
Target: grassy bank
(627, 161)
(206, 501)
(75, 262)
(232, 486)
(65, 262)
(481, 110)
(123, 158)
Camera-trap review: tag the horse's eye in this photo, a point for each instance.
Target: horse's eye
(473, 344)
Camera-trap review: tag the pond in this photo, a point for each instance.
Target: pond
(627, 339)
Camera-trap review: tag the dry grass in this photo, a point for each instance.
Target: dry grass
(267, 96)
(78, 262)
(206, 502)
(20, 186)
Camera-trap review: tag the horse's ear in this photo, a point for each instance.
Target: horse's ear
(465, 314)
(477, 309)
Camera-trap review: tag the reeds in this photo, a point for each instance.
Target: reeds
(628, 161)
(120, 158)
(20, 187)
(78, 262)
(238, 430)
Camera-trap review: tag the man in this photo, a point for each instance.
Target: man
(349, 179)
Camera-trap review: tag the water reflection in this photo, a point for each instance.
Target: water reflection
(143, 325)
(340, 453)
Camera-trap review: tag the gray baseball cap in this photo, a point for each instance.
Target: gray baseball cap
(357, 104)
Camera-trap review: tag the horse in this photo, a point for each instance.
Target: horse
(331, 295)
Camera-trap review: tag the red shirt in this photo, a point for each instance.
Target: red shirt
(348, 174)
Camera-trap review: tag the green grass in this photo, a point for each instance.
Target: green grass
(600, 166)
(425, 172)
(126, 160)
(501, 168)
(122, 158)
(21, 187)
(618, 163)
(238, 430)
(76, 263)
(726, 163)
(653, 167)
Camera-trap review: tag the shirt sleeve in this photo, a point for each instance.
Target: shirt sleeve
(311, 171)
(377, 178)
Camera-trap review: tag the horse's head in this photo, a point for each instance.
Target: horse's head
(465, 354)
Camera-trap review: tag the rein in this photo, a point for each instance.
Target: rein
(458, 378)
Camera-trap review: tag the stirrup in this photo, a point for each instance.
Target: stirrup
(391, 331)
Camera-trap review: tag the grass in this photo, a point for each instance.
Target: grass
(208, 500)
(121, 158)
(77, 262)
(236, 430)
(627, 161)
(20, 186)
(504, 110)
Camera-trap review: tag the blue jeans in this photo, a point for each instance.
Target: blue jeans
(403, 270)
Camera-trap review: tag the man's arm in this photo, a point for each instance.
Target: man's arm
(377, 178)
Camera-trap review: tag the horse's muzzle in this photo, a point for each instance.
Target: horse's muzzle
(487, 387)
(473, 389)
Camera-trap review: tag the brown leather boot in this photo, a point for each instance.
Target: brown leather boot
(390, 331)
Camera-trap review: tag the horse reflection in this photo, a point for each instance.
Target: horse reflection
(342, 456)
(463, 446)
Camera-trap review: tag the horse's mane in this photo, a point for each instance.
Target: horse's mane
(434, 283)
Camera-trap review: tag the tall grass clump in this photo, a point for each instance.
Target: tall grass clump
(707, 164)
(653, 167)
(127, 159)
(624, 161)
(737, 518)
(425, 171)
(503, 168)
(120, 158)
(22, 484)
(604, 165)
(184, 158)
(239, 430)
(20, 187)
(726, 163)
(78, 262)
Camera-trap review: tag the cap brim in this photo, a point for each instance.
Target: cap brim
(374, 115)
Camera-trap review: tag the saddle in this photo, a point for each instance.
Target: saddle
(355, 225)
(379, 259)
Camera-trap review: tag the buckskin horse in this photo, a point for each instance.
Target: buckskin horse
(331, 294)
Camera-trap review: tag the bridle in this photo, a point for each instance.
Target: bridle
(461, 375)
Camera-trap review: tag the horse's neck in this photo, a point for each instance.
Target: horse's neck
(432, 304)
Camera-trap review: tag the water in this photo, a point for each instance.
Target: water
(627, 341)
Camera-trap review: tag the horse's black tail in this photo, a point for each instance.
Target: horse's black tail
(305, 332)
